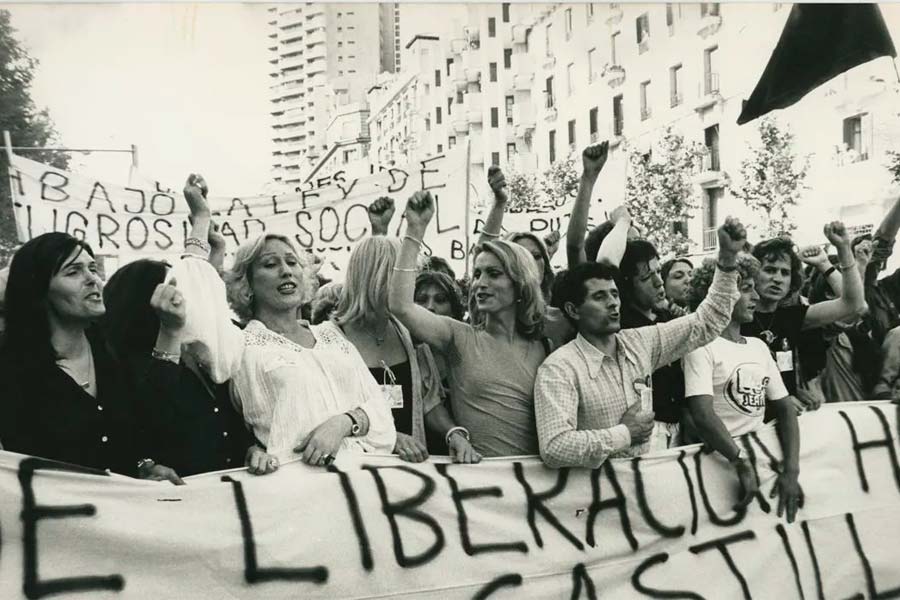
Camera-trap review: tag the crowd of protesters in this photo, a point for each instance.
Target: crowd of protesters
(172, 370)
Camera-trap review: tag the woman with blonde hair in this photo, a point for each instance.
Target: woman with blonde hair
(295, 395)
(493, 362)
(409, 379)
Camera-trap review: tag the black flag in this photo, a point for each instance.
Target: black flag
(819, 41)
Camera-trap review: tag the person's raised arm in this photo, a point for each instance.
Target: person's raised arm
(670, 341)
(494, 225)
(890, 225)
(852, 301)
(381, 211)
(816, 257)
(592, 159)
(435, 330)
(613, 246)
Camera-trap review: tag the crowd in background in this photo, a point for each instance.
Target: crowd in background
(165, 371)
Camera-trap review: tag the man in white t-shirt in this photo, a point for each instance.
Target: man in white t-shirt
(727, 385)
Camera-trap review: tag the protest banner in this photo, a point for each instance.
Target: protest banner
(658, 526)
(328, 215)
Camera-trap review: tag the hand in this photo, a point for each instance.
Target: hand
(749, 484)
(863, 253)
(215, 238)
(552, 241)
(321, 445)
(195, 191)
(497, 181)
(381, 211)
(790, 494)
(419, 212)
(593, 158)
(799, 406)
(259, 462)
(461, 450)
(732, 239)
(813, 255)
(410, 449)
(620, 213)
(639, 424)
(161, 473)
(169, 305)
(837, 234)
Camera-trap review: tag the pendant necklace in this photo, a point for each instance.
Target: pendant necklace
(766, 333)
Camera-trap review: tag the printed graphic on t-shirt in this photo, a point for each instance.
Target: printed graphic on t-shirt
(745, 388)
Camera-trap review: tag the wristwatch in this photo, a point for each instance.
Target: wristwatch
(354, 425)
(145, 462)
(740, 457)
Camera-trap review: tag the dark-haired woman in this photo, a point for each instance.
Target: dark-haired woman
(198, 428)
(66, 398)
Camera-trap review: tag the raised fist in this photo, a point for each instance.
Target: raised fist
(813, 255)
(195, 191)
(381, 211)
(837, 234)
(497, 181)
(732, 237)
(419, 212)
(551, 240)
(594, 157)
(169, 305)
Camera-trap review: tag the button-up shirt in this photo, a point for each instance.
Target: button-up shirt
(581, 393)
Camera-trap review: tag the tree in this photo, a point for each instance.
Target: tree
(523, 191)
(772, 179)
(27, 125)
(894, 165)
(659, 191)
(549, 190)
(559, 181)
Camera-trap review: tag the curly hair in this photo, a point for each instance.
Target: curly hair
(781, 248)
(519, 265)
(547, 279)
(702, 277)
(449, 287)
(368, 279)
(239, 278)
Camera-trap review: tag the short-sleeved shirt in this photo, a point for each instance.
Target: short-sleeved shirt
(492, 391)
(741, 378)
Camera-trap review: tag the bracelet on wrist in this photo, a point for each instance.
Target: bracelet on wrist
(173, 357)
(202, 244)
(489, 234)
(828, 272)
(416, 241)
(726, 268)
(462, 430)
(145, 463)
(401, 269)
(845, 268)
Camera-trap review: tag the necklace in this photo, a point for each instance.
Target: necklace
(68, 366)
(766, 333)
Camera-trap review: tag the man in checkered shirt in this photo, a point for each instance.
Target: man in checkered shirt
(592, 397)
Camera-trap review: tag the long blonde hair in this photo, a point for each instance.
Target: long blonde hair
(368, 279)
(238, 277)
(519, 265)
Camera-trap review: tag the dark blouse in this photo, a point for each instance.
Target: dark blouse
(402, 377)
(45, 413)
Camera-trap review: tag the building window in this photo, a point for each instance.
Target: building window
(589, 9)
(492, 70)
(510, 101)
(495, 116)
(592, 65)
(568, 23)
(492, 27)
(495, 159)
(507, 58)
(451, 141)
(709, 9)
(642, 28)
(571, 132)
(548, 93)
(552, 146)
(673, 14)
(613, 47)
(504, 12)
(548, 49)
(437, 78)
(459, 97)
(618, 116)
(593, 125)
(437, 115)
(675, 96)
(711, 140)
(645, 106)
(510, 152)
(449, 104)
(854, 140)
(570, 78)
(710, 76)
(711, 217)
(449, 64)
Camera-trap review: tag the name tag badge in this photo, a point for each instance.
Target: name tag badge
(393, 394)
(646, 399)
(785, 361)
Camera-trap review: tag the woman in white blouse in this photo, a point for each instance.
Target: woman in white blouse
(295, 396)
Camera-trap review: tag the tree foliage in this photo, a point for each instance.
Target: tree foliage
(772, 179)
(552, 188)
(893, 165)
(27, 125)
(659, 191)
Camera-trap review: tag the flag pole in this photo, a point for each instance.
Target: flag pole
(896, 72)
(7, 144)
(468, 201)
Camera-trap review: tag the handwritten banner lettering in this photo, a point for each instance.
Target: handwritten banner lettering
(659, 526)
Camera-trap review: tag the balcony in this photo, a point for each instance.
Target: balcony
(710, 20)
(614, 75)
(550, 112)
(461, 125)
(316, 66)
(473, 74)
(710, 239)
(676, 99)
(519, 34)
(549, 62)
(643, 45)
(708, 92)
(616, 131)
(459, 45)
(316, 37)
(290, 62)
(523, 117)
(709, 173)
(615, 15)
(314, 9)
(474, 108)
(292, 148)
(646, 113)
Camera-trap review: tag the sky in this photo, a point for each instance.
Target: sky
(186, 83)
